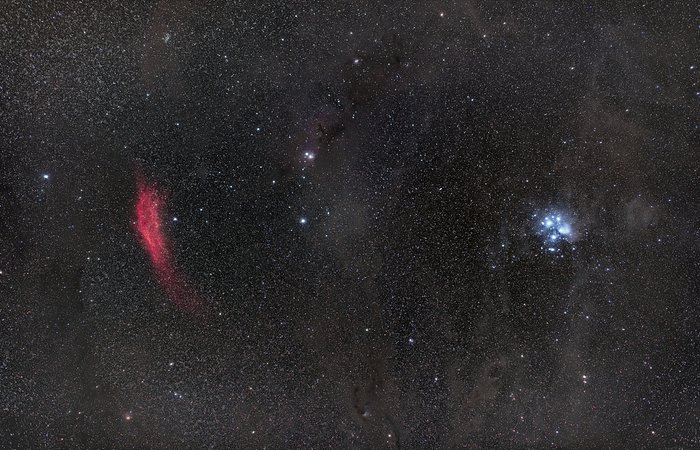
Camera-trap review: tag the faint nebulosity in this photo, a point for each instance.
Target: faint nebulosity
(349, 224)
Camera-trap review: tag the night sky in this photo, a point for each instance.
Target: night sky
(349, 224)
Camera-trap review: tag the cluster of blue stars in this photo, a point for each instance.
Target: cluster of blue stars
(554, 228)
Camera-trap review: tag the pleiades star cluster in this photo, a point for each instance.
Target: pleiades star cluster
(349, 224)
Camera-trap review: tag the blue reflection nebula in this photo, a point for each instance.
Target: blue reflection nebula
(554, 228)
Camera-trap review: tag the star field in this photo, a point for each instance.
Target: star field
(356, 224)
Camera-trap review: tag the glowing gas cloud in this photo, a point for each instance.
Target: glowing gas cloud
(148, 210)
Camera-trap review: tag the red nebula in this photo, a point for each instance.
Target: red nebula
(149, 226)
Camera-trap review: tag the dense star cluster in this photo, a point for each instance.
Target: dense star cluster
(357, 224)
(554, 229)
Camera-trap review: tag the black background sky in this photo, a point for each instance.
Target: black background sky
(354, 190)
